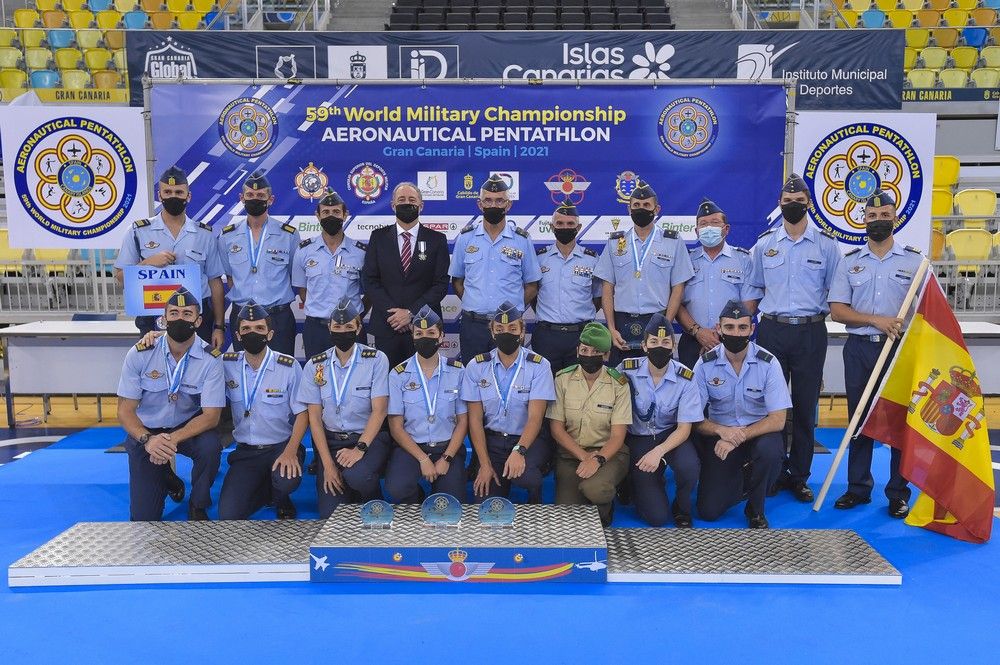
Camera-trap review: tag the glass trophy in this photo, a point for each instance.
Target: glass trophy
(376, 514)
(441, 510)
(497, 512)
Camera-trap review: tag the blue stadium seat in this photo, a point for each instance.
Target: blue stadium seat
(873, 18)
(99, 5)
(992, 4)
(975, 37)
(218, 25)
(44, 78)
(61, 38)
(135, 20)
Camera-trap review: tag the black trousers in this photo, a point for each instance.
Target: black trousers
(688, 350)
(147, 482)
(649, 491)
(632, 328)
(474, 337)
(282, 322)
(147, 324)
(250, 484)
(315, 336)
(556, 343)
(396, 346)
(723, 482)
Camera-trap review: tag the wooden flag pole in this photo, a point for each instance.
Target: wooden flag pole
(917, 282)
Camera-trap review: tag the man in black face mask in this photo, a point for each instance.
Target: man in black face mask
(270, 422)
(170, 397)
(569, 294)
(493, 262)
(740, 443)
(867, 293)
(406, 267)
(644, 270)
(172, 238)
(326, 269)
(257, 255)
(793, 267)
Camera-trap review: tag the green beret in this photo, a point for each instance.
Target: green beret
(596, 335)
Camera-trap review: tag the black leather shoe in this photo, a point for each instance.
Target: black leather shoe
(624, 492)
(898, 508)
(755, 520)
(801, 492)
(849, 500)
(286, 510)
(312, 468)
(682, 521)
(197, 514)
(781, 483)
(175, 486)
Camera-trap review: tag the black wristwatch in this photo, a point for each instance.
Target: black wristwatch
(144, 439)
(219, 326)
(447, 458)
(362, 446)
(518, 448)
(601, 459)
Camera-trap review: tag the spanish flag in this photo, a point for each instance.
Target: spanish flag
(155, 296)
(930, 407)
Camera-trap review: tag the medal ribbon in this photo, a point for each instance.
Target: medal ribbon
(255, 253)
(505, 395)
(174, 378)
(639, 261)
(431, 404)
(250, 395)
(340, 389)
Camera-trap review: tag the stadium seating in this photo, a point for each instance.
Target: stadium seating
(946, 169)
(68, 58)
(98, 59)
(953, 78)
(945, 37)
(527, 15)
(75, 79)
(937, 245)
(88, 38)
(61, 38)
(107, 80)
(985, 78)
(37, 58)
(964, 57)
(10, 57)
(135, 20)
(970, 245)
(942, 202)
(918, 38)
(32, 37)
(44, 78)
(933, 57)
(13, 79)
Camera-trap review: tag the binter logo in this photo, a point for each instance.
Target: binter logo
(428, 62)
(756, 61)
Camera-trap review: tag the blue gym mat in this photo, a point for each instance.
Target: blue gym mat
(945, 610)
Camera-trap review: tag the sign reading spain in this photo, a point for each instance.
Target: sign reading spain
(147, 289)
(77, 174)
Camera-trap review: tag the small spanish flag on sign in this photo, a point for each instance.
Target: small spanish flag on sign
(155, 296)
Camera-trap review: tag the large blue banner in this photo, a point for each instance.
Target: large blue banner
(835, 69)
(589, 143)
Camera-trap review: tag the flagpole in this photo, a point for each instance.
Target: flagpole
(918, 280)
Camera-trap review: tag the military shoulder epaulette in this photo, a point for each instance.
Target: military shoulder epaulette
(669, 233)
(455, 362)
(142, 347)
(853, 251)
(400, 368)
(769, 231)
(287, 361)
(616, 235)
(534, 358)
(468, 227)
(305, 243)
(360, 245)
(141, 223)
(827, 234)
(541, 250)
(616, 375)
(215, 353)
(318, 358)
(368, 353)
(482, 357)
(631, 363)
(589, 252)
(764, 355)
(911, 248)
(740, 249)
(232, 355)
(709, 356)
(288, 228)
(566, 370)
(684, 373)
(226, 229)
(521, 232)
(205, 226)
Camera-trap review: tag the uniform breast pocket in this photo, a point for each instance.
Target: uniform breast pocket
(314, 271)
(511, 259)
(412, 401)
(718, 388)
(667, 410)
(620, 262)
(582, 281)
(448, 403)
(278, 259)
(816, 263)
(238, 258)
(235, 394)
(861, 278)
(734, 278)
(149, 385)
(360, 399)
(774, 261)
(473, 261)
(901, 279)
(195, 255)
(755, 400)
(661, 260)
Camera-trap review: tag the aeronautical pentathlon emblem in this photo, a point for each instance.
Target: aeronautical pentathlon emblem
(950, 403)
(625, 184)
(248, 127)
(368, 180)
(567, 184)
(688, 127)
(457, 569)
(311, 182)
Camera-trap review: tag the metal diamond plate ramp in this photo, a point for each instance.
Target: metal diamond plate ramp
(101, 553)
(741, 556)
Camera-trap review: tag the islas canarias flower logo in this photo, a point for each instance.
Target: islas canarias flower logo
(75, 177)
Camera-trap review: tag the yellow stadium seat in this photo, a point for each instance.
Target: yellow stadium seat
(939, 5)
(125, 6)
(118, 56)
(150, 6)
(976, 202)
(913, 5)
(928, 18)
(900, 18)
(859, 5)
(75, 79)
(945, 37)
(177, 6)
(985, 78)
(161, 20)
(7, 36)
(98, 58)
(107, 80)
(10, 57)
(114, 39)
(13, 79)
(942, 203)
(37, 58)
(89, 38)
(933, 57)
(937, 244)
(205, 6)
(921, 78)
(108, 19)
(955, 18)
(984, 16)
(189, 21)
(909, 58)
(885, 5)
(965, 57)
(917, 37)
(953, 78)
(46, 5)
(73, 5)
(68, 58)
(26, 18)
(967, 5)
(990, 56)
(81, 19)
(32, 37)
(946, 168)
(54, 18)
(849, 20)
(970, 245)
(55, 259)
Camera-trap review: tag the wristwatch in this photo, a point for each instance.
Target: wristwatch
(518, 448)
(601, 459)
(362, 446)
(144, 439)
(219, 326)
(447, 458)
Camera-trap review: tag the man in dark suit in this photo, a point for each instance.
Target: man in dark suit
(406, 267)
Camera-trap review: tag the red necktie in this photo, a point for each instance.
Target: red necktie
(405, 253)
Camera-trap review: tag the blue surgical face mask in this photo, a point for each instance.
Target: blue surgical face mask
(709, 236)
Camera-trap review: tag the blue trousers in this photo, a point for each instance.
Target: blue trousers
(315, 336)
(474, 337)
(536, 462)
(649, 492)
(250, 484)
(555, 345)
(688, 350)
(724, 483)
(147, 482)
(632, 328)
(361, 480)
(860, 355)
(403, 479)
(283, 324)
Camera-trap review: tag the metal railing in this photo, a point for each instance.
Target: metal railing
(972, 287)
(771, 14)
(31, 289)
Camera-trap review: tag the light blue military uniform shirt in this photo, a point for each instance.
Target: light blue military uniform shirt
(675, 399)
(493, 271)
(533, 381)
(568, 288)
(328, 276)
(666, 265)
(275, 404)
(716, 282)
(145, 378)
(871, 285)
(739, 400)
(367, 377)
(194, 244)
(272, 283)
(407, 399)
(795, 275)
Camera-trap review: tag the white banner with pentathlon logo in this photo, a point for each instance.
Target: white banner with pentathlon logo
(74, 176)
(844, 157)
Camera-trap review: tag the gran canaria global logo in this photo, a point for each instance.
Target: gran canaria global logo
(688, 127)
(851, 163)
(75, 177)
(248, 127)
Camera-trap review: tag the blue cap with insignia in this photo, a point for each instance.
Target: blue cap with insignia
(794, 184)
(344, 312)
(658, 326)
(495, 184)
(331, 198)
(879, 199)
(257, 180)
(183, 298)
(734, 309)
(426, 318)
(252, 312)
(707, 207)
(643, 191)
(174, 176)
(507, 312)
(567, 208)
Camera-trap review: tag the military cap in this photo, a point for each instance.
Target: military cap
(596, 335)
(344, 312)
(331, 198)
(183, 298)
(643, 191)
(174, 176)
(426, 318)
(495, 184)
(252, 312)
(257, 180)
(734, 309)
(567, 208)
(794, 184)
(658, 326)
(880, 198)
(707, 207)
(507, 312)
